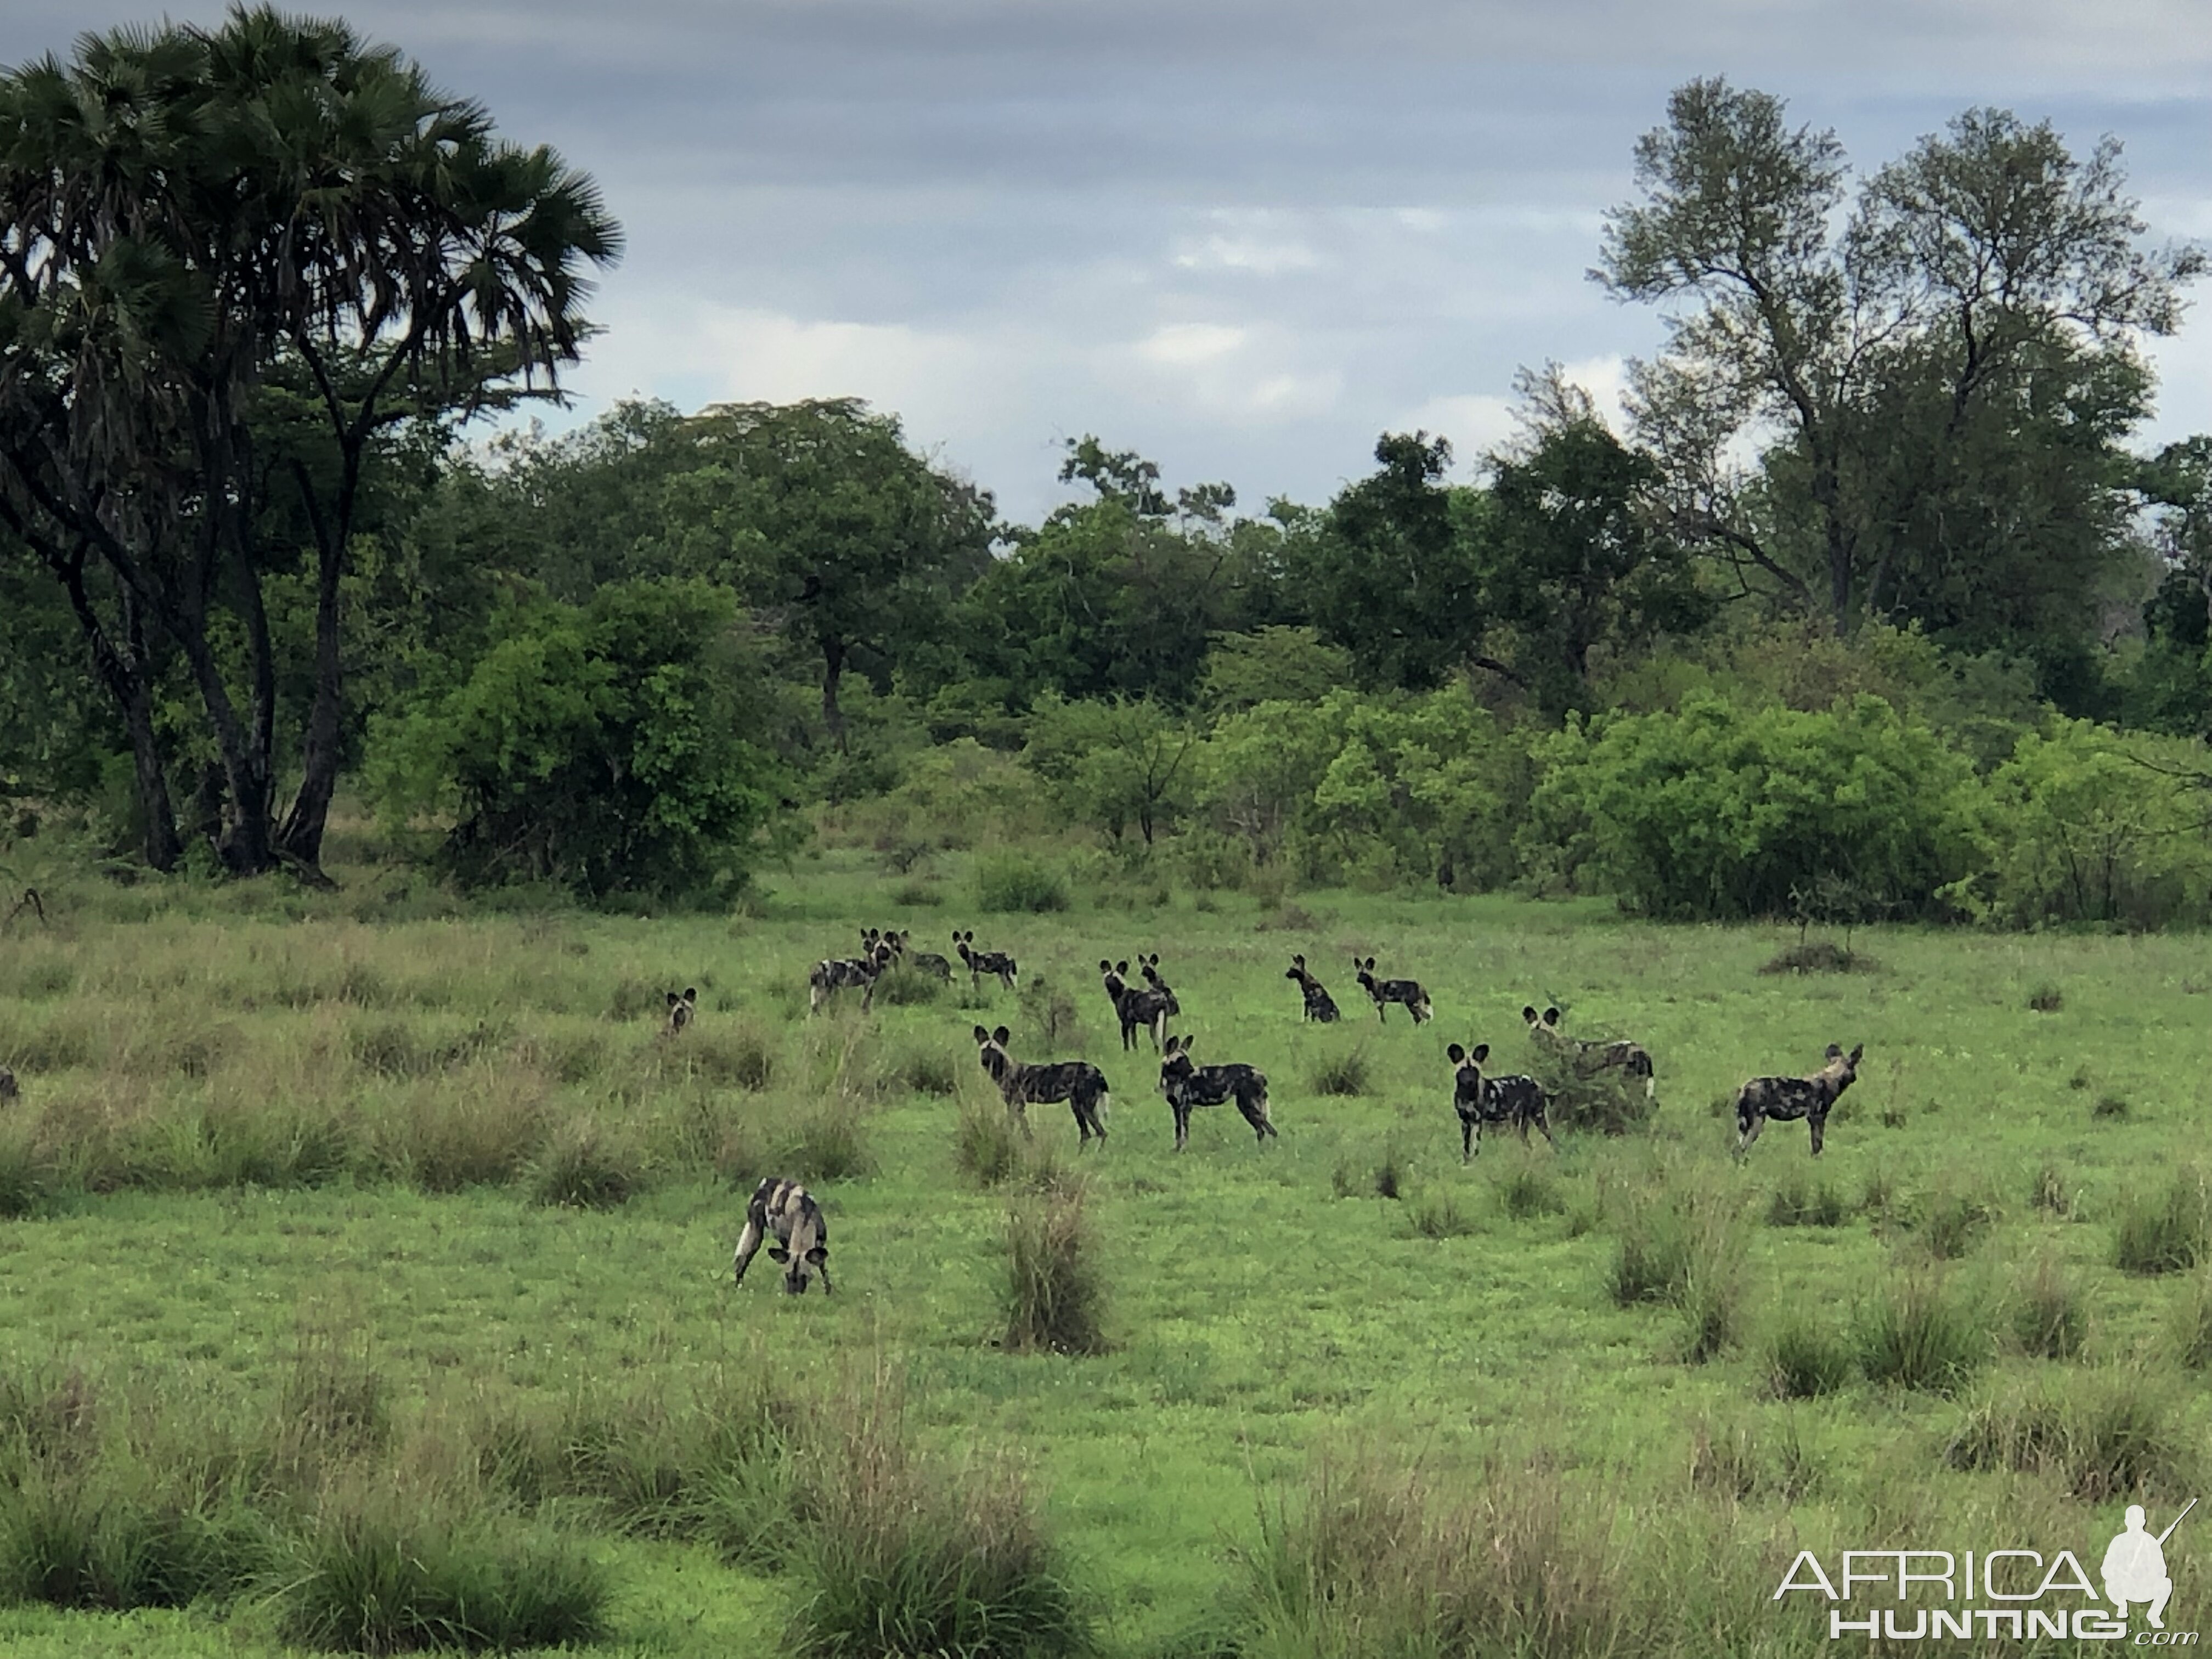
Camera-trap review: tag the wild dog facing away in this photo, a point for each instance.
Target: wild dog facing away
(1319, 1005)
(981, 963)
(1146, 1010)
(1406, 992)
(1588, 1059)
(786, 1212)
(1078, 1082)
(1786, 1099)
(1187, 1087)
(1481, 1099)
(682, 1010)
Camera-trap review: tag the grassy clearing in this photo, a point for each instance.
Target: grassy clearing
(439, 1194)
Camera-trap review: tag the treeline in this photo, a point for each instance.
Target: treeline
(1870, 596)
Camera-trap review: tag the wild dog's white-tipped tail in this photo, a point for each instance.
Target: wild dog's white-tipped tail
(1650, 1086)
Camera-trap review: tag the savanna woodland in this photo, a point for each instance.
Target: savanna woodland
(380, 771)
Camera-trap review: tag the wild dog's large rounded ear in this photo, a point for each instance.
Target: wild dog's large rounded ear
(1121, 967)
(1857, 1052)
(1298, 962)
(1529, 1014)
(1154, 958)
(1481, 1053)
(690, 993)
(777, 1253)
(981, 1037)
(673, 998)
(1104, 966)
(1455, 1054)
(1001, 1034)
(818, 1254)
(1550, 1016)
(1368, 965)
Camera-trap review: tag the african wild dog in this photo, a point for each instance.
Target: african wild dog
(682, 1010)
(1385, 992)
(1480, 1099)
(1145, 1009)
(786, 1212)
(1588, 1059)
(1187, 1087)
(981, 963)
(839, 975)
(1149, 966)
(1319, 1005)
(1078, 1082)
(924, 962)
(1786, 1099)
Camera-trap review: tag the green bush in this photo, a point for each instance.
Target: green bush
(2108, 1434)
(1013, 881)
(1720, 811)
(2166, 1231)
(601, 748)
(1914, 1334)
(1053, 1297)
(1805, 1359)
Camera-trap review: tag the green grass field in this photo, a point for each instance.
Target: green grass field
(250, 1146)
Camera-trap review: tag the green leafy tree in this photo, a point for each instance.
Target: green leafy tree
(601, 747)
(1948, 359)
(1119, 765)
(189, 210)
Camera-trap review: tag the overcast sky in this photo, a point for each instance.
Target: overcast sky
(1241, 236)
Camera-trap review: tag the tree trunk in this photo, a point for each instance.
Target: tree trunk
(833, 669)
(247, 845)
(302, 834)
(123, 671)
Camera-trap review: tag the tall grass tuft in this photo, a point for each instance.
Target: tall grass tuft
(2050, 1316)
(899, 1558)
(1437, 1215)
(2164, 1232)
(1346, 1074)
(2192, 1330)
(1915, 1334)
(586, 1167)
(1053, 1297)
(986, 1144)
(1684, 1247)
(1800, 1202)
(1952, 1220)
(28, 1179)
(1013, 881)
(1525, 1194)
(2107, 1434)
(116, 1542)
(372, 1573)
(1807, 1358)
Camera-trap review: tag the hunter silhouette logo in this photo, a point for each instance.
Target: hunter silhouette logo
(2135, 1566)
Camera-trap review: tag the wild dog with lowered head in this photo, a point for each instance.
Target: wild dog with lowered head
(1406, 992)
(840, 975)
(1588, 1059)
(1189, 1086)
(1147, 1010)
(1078, 1082)
(786, 1212)
(981, 963)
(924, 962)
(1786, 1099)
(682, 1010)
(1479, 1098)
(1319, 1005)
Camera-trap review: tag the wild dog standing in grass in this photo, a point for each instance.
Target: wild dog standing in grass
(1385, 992)
(1147, 1010)
(1319, 1005)
(1187, 1087)
(925, 962)
(1786, 1099)
(1479, 1098)
(826, 978)
(786, 1211)
(682, 1010)
(1588, 1059)
(1078, 1082)
(981, 963)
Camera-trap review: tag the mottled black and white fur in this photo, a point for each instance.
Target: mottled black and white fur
(1588, 1059)
(1786, 1099)
(1407, 992)
(1187, 1087)
(981, 963)
(1320, 1007)
(1078, 1082)
(786, 1212)
(1481, 1099)
(682, 1010)
(1137, 1009)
